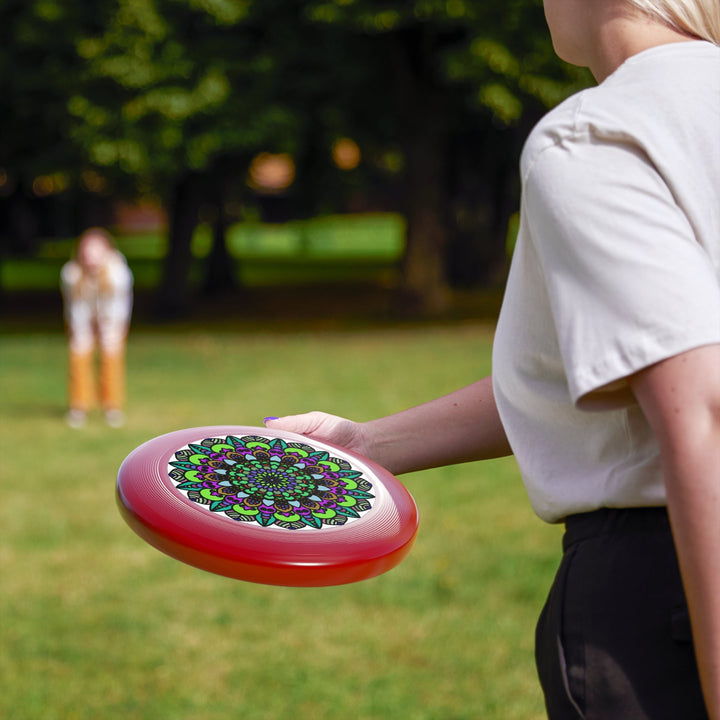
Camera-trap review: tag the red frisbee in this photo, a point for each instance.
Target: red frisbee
(266, 506)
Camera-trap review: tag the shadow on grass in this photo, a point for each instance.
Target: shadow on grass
(277, 309)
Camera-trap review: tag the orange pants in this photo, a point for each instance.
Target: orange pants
(84, 393)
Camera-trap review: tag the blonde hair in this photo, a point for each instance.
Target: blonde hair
(97, 233)
(699, 18)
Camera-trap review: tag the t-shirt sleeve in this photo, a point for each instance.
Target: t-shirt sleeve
(629, 282)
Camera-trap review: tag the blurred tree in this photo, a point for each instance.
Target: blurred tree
(182, 94)
(176, 97)
(429, 88)
(456, 84)
(38, 68)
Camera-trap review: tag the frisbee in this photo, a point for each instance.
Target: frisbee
(266, 506)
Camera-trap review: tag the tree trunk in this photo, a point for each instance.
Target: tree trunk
(425, 148)
(424, 276)
(175, 295)
(220, 266)
(485, 194)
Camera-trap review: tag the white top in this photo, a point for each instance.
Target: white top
(97, 308)
(617, 266)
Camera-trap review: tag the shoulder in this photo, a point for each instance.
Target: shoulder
(70, 274)
(553, 130)
(608, 113)
(648, 105)
(117, 269)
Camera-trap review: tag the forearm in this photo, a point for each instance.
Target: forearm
(693, 496)
(460, 427)
(681, 400)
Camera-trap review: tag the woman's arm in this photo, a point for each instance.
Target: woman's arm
(459, 427)
(681, 400)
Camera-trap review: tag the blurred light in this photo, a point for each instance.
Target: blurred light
(42, 186)
(386, 20)
(346, 154)
(93, 182)
(7, 183)
(271, 173)
(455, 8)
(45, 185)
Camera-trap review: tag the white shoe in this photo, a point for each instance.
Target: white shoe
(75, 418)
(115, 418)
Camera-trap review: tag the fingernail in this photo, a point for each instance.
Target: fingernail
(270, 417)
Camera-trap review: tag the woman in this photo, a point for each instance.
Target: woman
(97, 293)
(606, 365)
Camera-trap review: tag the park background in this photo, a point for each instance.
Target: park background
(318, 200)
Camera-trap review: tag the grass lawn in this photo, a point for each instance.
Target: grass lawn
(95, 624)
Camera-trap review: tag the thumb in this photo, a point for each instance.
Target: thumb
(318, 425)
(304, 424)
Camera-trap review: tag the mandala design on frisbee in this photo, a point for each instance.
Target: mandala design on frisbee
(268, 481)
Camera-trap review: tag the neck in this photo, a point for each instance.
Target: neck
(621, 36)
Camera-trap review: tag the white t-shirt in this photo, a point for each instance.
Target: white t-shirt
(97, 308)
(617, 266)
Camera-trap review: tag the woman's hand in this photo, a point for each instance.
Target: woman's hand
(322, 426)
(460, 427)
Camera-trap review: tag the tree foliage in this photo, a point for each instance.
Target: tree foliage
(175, 97)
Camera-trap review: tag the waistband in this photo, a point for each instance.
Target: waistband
(607, 521)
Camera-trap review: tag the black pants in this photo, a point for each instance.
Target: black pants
(613, 641)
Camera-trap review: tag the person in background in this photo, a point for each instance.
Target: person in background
(606, 366)
(97, 295)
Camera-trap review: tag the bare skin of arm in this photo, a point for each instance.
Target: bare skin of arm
(681, 400)
(460, 427)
